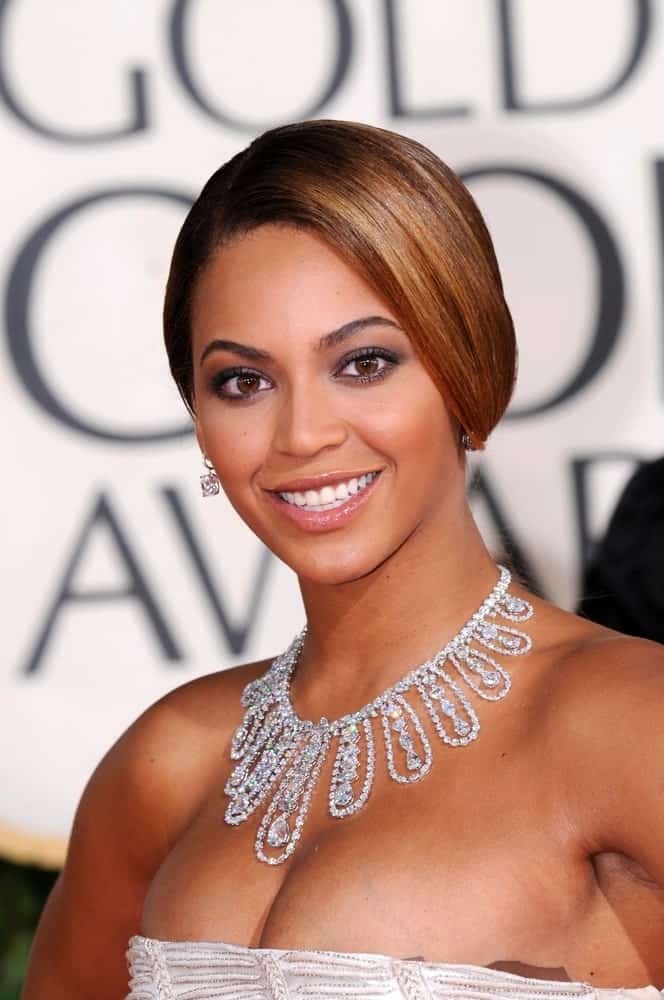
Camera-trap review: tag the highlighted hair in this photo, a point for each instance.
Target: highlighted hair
(400, 217)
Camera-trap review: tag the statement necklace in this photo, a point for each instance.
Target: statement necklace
(280, 753)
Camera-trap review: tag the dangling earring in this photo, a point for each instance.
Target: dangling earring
(210, 485)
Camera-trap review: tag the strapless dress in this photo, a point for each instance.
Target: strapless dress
(197, 970)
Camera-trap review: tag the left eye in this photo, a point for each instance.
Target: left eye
(367, 367)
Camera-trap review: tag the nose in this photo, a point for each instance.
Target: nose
(307, 422)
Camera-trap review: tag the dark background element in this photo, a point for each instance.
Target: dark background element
(623, 585)
(23, 891)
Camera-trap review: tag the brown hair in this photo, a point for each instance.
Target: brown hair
(400, 217)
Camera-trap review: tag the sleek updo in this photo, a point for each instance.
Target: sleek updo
(400, 217)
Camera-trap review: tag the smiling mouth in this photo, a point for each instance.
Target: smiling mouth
(329, 497)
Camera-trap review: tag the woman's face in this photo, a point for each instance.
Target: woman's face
(304, 385)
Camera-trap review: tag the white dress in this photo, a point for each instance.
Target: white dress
(197, 970)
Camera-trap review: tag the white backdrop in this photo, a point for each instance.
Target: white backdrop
(118, 581)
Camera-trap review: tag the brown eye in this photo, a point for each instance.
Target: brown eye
(247, 384)
(367, 366)
(238, 383)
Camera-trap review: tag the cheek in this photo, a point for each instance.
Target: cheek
(419, 426)
(235, 444)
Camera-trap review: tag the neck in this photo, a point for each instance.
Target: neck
(364, 635)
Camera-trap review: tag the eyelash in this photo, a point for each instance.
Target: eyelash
(222, 378)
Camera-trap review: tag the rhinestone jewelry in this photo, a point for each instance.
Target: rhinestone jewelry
(210, 483)
(278, 754)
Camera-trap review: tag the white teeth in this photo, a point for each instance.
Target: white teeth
(329, 496)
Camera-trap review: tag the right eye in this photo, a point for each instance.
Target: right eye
(238, 383)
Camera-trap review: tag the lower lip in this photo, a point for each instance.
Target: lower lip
(324, 520)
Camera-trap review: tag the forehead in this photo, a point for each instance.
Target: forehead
(279, 279)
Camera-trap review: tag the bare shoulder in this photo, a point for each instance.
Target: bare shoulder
(167, 758)
(187, 725)
(152, 781)
(601, 699)
(596, 668)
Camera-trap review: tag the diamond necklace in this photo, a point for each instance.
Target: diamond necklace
(279, 752)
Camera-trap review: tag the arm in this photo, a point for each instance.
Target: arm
(96, 904)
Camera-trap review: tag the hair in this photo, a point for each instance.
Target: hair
(394, 212)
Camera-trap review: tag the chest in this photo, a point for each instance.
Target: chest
(448, 867)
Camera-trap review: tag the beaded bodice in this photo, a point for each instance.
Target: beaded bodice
(193, 970)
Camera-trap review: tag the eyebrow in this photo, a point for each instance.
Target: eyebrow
(327, 340)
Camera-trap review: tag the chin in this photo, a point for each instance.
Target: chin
(336, 567)
(335, 557)
(332, 576)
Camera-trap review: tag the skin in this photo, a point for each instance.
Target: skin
(533, 850)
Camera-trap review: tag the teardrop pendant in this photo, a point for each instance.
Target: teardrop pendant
(279, 832)
(295, 789)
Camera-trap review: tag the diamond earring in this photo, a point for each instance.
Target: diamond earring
(210, 485)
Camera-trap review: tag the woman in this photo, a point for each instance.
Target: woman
(333, 823)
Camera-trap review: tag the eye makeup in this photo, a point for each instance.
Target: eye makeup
(220, 380)
(369, 353)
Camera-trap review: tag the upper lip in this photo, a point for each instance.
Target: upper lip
(317, 482)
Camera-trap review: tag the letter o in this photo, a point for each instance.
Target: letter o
(611, 283)
(17, 316)
(182, 68)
